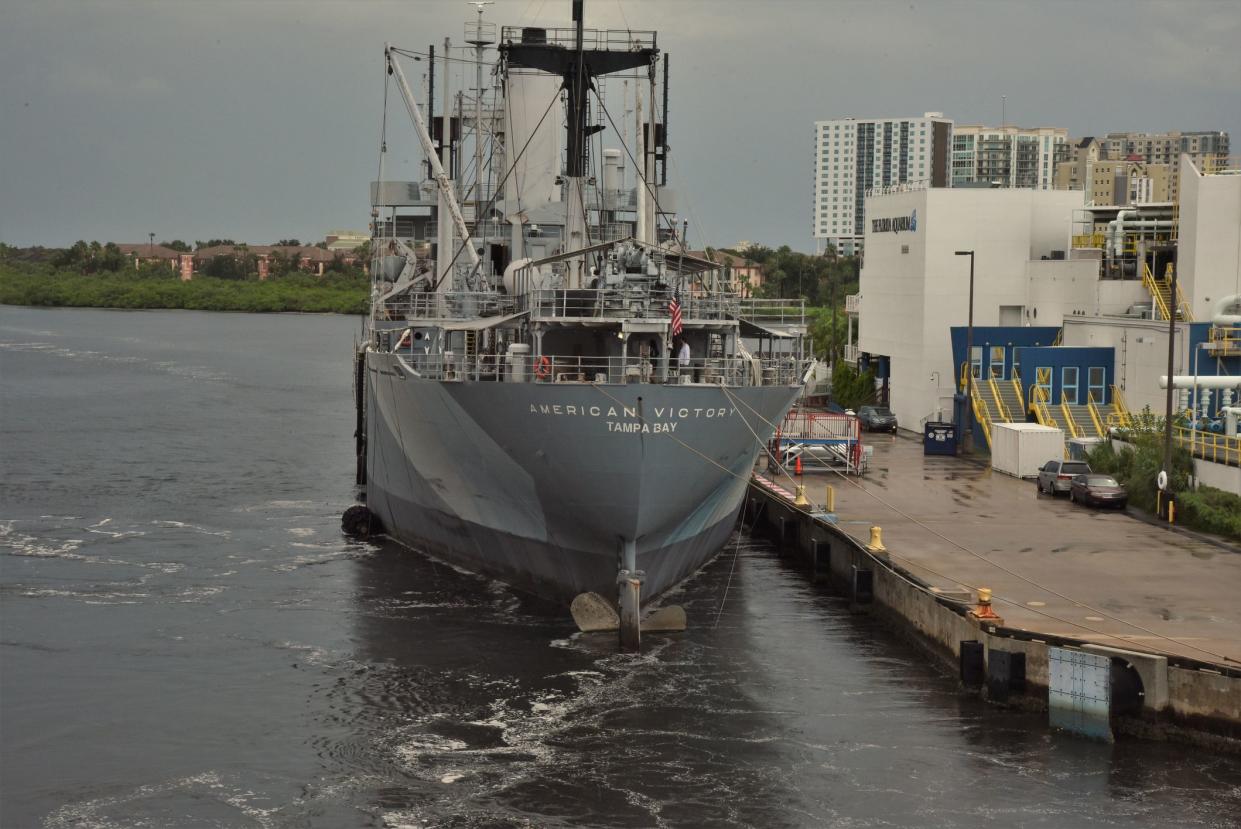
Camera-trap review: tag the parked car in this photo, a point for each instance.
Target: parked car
(877, 419)
(1098, 490)
(1057, 476)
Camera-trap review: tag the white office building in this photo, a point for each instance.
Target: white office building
(914, 287)
(855, 155)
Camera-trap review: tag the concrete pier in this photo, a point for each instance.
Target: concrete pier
(1163, 605)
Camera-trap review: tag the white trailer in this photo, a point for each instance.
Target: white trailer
(1020, 449)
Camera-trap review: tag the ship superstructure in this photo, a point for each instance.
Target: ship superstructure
(551, 389)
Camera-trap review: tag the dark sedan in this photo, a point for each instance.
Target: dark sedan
(877, 419)
(1098, 491)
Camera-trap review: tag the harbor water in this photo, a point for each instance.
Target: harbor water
(186, 639)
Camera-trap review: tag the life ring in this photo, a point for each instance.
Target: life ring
(543, 368)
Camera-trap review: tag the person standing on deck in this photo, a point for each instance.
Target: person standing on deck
(683, 358)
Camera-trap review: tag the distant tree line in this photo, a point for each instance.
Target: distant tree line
(91, 274)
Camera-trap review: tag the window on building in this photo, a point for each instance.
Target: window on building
(997, 362)
(976, 362)
(1096, 384)
(1042, 381)
(1068, 384)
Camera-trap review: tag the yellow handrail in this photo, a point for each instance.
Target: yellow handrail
(1068, 419)
(1038, 402)
(1181, 305)
(1156, 290)
(1020, 398)
(1120, 408)
(1209, 445)
(981, 414)
(1094, 415)
(1000, 408)
(1089, 240)
(1226, 340)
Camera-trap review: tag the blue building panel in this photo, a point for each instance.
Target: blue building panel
(996, 347)
(1069, 373)
(1206, 364)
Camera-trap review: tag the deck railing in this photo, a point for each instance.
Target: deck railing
(557, 368)
(773, 311)
(449, 305)
(625, 303)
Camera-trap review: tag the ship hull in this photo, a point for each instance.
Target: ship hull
(542, 484)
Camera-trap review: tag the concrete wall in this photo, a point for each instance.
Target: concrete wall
(1141, 348)
(1218, 475)
(1202, 699)
(1210, 238)
(1061, 290)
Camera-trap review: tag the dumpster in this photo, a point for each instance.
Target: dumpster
(939, 438)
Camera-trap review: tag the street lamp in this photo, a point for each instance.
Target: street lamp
(969, 360)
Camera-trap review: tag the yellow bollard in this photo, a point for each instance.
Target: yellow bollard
(830, 503)
(876, 541)
(983, 611)
(801, 500)
(1172, 512)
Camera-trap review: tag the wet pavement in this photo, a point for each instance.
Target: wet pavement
(1055, 567)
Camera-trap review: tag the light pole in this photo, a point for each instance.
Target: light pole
(1165, 494)
(969, 361)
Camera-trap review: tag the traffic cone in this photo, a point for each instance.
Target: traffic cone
(798, 466)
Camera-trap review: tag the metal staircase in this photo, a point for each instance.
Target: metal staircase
(1044, 412)
(1161, 292)
(1080, 420)
(1008, 392)
(982, 402)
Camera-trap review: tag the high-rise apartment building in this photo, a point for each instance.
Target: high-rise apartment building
(1007, 156)
(854, 155)
(1208, 151)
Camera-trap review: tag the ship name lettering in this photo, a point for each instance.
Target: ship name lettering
(642, 428)
(613, 414)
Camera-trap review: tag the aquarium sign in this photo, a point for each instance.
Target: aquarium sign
(896, 224)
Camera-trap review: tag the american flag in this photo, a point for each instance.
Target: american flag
(674, 308)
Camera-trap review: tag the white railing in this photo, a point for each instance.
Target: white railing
(773, 311)
(450, 305)
(631, 302)
(554, 368)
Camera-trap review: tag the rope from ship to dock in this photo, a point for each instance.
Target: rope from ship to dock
(1007, 570)
(746, 479)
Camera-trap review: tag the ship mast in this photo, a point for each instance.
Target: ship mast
(578, 67)
(478, 37)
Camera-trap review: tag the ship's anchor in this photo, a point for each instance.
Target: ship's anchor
(593, 613)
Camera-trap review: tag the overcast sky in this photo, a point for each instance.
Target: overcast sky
(259, 119)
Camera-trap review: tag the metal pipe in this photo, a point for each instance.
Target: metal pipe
(1187, 381)
(1217, 312)
(969, 360)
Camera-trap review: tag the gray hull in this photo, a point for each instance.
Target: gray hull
(541, 483)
